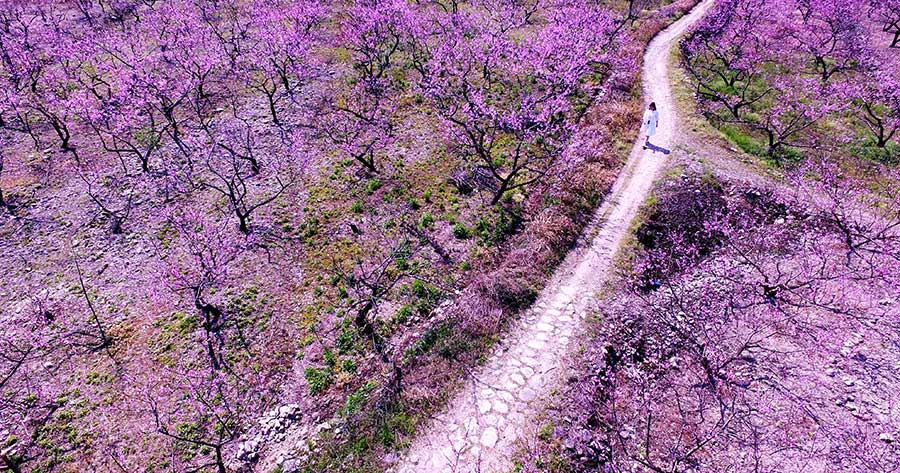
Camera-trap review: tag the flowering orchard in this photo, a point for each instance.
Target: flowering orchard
(754, 332)
(817, 68)
(210, 208)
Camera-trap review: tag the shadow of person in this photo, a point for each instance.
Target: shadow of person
(655, 148)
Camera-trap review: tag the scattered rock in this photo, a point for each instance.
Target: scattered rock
(489, 437)
(290, 466)
(517, 378)
(886, 437)
(248, 451)
(527, 395)
(324, 426)
(289, 411)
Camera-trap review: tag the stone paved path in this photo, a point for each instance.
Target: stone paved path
(478, 431)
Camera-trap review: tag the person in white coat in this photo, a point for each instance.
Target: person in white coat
(649, 123)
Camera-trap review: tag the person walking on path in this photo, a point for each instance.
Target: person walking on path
(649, 123)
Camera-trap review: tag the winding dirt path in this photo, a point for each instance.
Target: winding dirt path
(481, 425)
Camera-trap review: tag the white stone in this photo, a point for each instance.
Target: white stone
(529, 361)
(489, 437)
(517, 378)
(471, 424)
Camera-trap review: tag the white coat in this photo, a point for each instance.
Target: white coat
(649, 122)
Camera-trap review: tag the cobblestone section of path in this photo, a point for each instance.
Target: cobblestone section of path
(479, 429)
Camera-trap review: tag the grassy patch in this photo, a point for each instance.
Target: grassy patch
(318, 380)
(461, 231)
(744, 141)
(890, 154)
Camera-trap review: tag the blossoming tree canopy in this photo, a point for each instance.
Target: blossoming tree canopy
(187, 178)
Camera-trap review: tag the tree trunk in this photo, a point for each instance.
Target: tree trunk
(211, 316)
(773, 145)
(504, 185)
(220, 463)
(369, 163)
(243, 223)
(272, 110)
(10, 464)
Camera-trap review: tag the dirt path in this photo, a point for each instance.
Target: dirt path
(479, 430)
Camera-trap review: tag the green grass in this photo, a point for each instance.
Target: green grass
(889, 155)
(744, 141)
(754, 146)
(461, 232)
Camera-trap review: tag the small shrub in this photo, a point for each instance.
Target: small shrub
(425, 291)
(492, 231)
(357, 399)
(429, 340)
(401, 258)
(330, 358)
(345, 342)
(426, 220)
(546, 432)
(372, 186)
(356, 207)
(397, 422)
(318, 380)
(309, 229)
(403, 314)
(461, 231)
